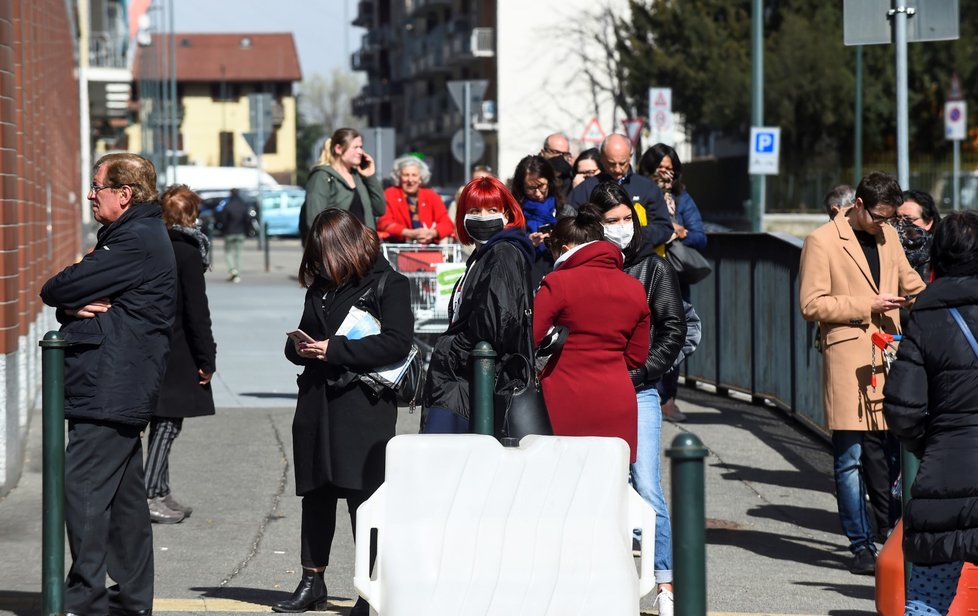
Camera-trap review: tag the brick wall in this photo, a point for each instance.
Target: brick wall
(40, 206)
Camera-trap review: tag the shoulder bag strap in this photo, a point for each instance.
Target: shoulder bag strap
(964, 329)
(379, 293)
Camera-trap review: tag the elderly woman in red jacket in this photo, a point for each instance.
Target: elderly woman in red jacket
(414, 214)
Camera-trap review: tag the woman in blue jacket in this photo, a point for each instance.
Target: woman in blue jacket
(661, 164)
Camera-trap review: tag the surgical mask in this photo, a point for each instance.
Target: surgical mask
(620, 235)
(481, 228)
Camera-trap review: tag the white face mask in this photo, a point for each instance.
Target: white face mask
(620, 235)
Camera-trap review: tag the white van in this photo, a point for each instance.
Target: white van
(212, 181)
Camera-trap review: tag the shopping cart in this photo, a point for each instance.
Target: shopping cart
(419, 263)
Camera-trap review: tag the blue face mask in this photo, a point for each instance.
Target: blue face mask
(482, 228)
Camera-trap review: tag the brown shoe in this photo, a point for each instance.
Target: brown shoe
(670, 412)
(159, 513)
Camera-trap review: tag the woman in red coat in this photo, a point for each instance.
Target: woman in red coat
(414, 214)
(586, 386)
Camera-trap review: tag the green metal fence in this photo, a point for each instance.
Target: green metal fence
(755, 340)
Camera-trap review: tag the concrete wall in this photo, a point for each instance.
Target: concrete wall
(40, 210)
(541, 83)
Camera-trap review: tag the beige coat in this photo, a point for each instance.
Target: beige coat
(837, 289)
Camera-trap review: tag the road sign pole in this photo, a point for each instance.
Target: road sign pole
(262, 237)
(757, 108)
(857, 141)
(467, 127)
(957, 175)
(899, 15)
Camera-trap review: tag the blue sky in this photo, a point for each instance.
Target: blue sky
(321, 28)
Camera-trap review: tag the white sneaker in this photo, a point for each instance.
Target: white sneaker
(664, 603)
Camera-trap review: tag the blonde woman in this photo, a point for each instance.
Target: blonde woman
(346, 179)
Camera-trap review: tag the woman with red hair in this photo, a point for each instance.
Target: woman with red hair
(491, 302)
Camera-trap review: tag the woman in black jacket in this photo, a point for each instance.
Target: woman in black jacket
(186, 389)
(341, 424)
(491, 302)
(667, 337)
(931, 405)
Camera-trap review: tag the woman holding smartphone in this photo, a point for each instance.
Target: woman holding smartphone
(491, 302)
(341, 425)
(346, 179)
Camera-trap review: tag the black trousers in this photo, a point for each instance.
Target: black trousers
(107, 520)
(319, 521)
(881, 467)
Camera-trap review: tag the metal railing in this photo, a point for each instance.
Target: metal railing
(755, 340)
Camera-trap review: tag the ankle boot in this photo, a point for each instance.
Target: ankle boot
(310, 594)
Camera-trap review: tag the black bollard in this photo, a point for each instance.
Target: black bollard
(688, 524)
(53, 473)
(483, 378)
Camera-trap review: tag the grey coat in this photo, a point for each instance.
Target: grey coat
(326, 189)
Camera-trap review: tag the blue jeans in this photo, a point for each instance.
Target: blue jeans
(932, 589)
(646, 478)
(850, 491)
(439, 420)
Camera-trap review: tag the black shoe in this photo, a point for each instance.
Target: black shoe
(310, 594)
(863, 562)
(118, 612)
(361, 608)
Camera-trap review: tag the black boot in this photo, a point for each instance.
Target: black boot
(310, 594)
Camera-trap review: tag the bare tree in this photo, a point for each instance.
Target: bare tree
(326, 101)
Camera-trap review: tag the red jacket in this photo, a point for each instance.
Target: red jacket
(587, 387)
(431, 211)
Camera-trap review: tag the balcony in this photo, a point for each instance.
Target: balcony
(366, 9)
(421, 6)
(364, 60)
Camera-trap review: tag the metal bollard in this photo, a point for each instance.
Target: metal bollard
(909, 465)
(268, 259)
(483, 378)
(688, 524)
(53, 477)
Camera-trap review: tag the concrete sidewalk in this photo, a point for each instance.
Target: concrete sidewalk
(774, 545)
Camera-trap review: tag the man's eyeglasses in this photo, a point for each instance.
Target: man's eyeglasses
(95, 188)
(879, 218)
(553, 152)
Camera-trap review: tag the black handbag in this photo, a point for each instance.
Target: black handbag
(690, 265)
(526, 412)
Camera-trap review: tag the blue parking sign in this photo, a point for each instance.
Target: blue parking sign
(764, 150)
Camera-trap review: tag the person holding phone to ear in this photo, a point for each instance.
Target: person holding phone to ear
(345, 178)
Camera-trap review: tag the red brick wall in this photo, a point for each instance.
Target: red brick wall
(40, 208)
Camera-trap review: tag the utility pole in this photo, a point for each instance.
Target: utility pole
(84, 119)
(758, 186)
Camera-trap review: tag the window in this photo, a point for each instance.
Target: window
(227, 148)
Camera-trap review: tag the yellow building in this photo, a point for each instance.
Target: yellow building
(215, 73)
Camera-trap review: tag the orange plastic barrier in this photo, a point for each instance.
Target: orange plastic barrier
(890, 594)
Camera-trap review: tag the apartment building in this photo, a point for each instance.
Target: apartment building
(533, 55)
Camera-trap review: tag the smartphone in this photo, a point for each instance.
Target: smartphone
(909, 297)
(297, 336)
(364, 161)
(545, 229)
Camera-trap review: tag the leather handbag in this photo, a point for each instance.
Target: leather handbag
(690, 265)
(526, 412)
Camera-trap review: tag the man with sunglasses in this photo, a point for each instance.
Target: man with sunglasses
(116, 308)
(854, 278)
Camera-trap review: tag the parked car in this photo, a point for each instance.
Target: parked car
(969, 191)
(280, 211)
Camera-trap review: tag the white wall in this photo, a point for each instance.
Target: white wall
(540, 86)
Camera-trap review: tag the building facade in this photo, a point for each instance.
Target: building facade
(214, 74)
(542, 60)
(40, 204)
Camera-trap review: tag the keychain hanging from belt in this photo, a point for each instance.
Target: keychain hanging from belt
(884, 342)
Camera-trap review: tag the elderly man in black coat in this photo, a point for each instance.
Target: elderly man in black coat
(116, 307)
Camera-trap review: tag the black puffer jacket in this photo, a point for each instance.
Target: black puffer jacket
(932, 406)
(495, 305)
(668, 315)
(114, 362)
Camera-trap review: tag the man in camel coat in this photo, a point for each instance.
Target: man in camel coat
(854, 278)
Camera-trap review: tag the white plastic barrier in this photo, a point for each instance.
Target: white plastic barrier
(467, 526)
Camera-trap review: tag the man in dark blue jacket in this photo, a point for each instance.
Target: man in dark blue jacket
(116, 307)
(616, 165)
